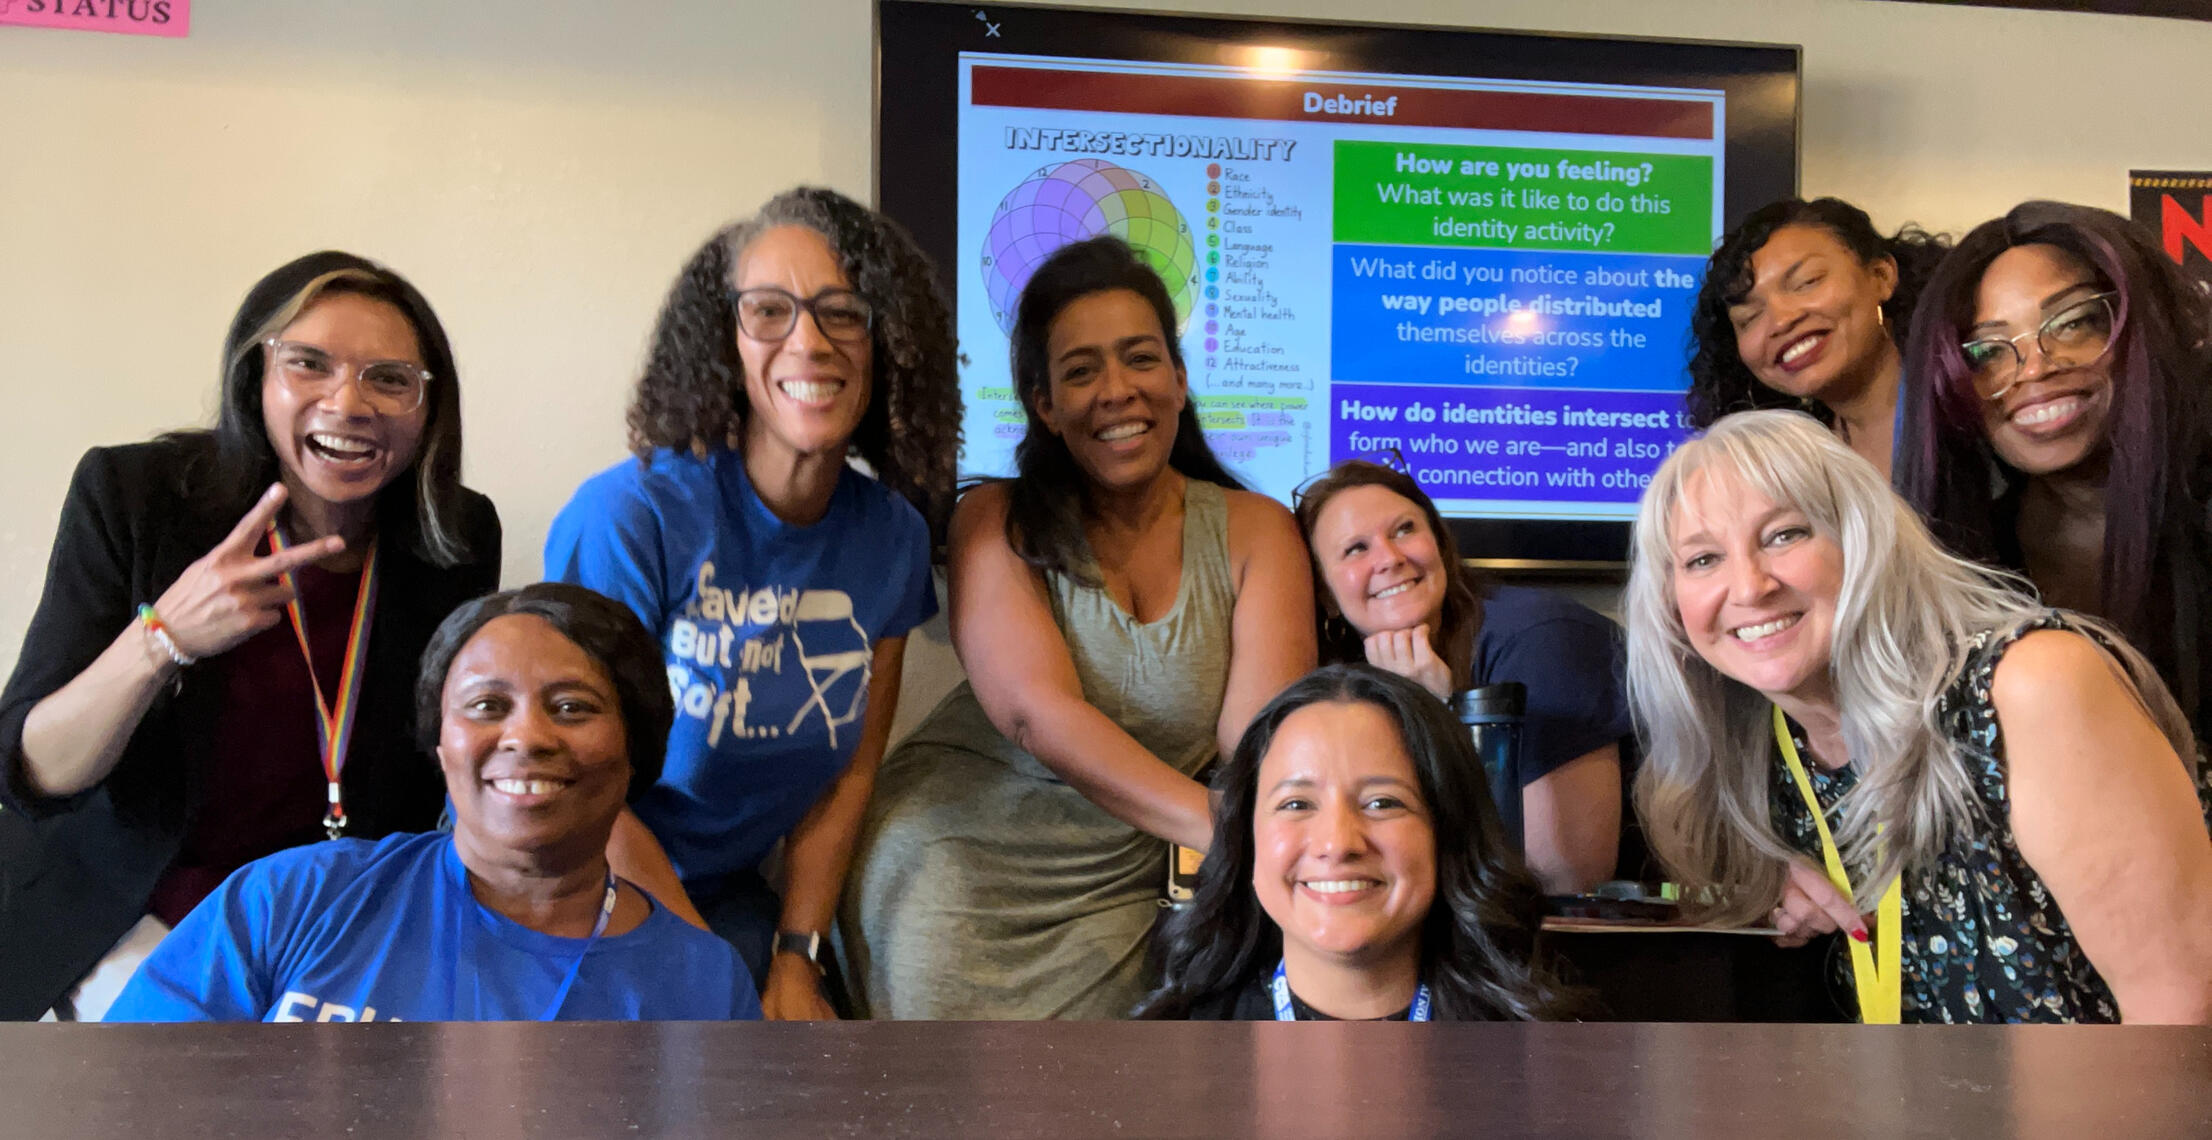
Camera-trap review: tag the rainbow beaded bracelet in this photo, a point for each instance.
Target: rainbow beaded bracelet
(160, 633)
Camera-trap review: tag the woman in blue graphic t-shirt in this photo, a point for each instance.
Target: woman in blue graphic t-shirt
(781, 582)
(545, 708)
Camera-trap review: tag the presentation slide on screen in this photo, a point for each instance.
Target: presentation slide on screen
(1491, 280)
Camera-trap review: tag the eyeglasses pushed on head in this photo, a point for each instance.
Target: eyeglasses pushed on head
(1389, 457)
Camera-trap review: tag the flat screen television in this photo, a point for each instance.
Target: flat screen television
(1472, 253)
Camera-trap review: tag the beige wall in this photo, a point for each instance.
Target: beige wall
(541, 167)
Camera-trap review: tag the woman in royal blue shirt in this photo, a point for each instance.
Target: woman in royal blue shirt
(546, 708)
(781, 581)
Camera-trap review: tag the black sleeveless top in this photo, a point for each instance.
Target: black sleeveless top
(1983, 939)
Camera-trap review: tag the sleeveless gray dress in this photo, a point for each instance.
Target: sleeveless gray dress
(982, 885)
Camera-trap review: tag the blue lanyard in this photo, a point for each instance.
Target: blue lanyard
(1283, 1012)
(560, 996)
(598, 927)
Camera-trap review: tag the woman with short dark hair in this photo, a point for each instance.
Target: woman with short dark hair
(220, 664)
(1357, 871)
(547, 708)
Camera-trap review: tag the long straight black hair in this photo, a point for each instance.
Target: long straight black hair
(2155, 576)
(234, 462)
(1478, 944)
(1050, 495)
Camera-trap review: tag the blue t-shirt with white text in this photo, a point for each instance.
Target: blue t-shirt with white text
(352, 930)
(768, 630)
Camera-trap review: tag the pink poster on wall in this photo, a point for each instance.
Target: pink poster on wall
(130, 17)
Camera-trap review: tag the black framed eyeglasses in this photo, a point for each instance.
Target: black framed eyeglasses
(769, 313)
(2078, 334)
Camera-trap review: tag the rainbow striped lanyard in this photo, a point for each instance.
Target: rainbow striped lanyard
(1876, 971)
(334, 726)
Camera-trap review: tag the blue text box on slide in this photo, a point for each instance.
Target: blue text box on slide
(1511, 318)
(1504, 443)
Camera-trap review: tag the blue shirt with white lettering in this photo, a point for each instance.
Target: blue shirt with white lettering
(352, 930)
(768, 630)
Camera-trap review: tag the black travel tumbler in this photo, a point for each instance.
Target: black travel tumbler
(1492, 714)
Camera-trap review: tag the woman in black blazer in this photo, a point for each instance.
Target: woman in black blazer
(222, 662)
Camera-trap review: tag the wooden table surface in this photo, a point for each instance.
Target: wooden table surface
(1113, 1079)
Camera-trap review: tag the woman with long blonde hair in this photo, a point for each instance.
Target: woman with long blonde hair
(2008, 787)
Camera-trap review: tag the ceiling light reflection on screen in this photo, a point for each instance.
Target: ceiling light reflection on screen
(1271, 61)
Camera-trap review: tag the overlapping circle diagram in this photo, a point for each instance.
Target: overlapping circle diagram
(1080, 199)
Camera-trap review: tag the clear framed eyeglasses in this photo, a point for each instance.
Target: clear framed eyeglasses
(2077, 334)
(391, 387)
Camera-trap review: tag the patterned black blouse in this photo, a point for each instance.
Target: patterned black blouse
(1983, 939)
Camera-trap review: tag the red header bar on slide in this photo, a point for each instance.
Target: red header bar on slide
(1230, 98)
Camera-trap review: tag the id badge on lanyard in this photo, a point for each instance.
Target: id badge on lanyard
(1280, 988)
(1875, 970)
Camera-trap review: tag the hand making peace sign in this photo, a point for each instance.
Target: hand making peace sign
(232, 593)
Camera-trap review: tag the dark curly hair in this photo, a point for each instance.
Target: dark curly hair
(606, 630)
(1720, 383)
(1454, 637)
(1478, 945)
(1049, 493)
(692, 395)
(2155, 575)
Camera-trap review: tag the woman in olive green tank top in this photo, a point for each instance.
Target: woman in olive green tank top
(1122, 608)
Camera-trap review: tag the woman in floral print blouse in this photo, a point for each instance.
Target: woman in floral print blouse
(2017, 773)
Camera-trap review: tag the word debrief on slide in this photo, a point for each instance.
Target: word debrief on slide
(1337, 244)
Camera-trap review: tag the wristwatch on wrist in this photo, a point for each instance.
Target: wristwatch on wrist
(807, 946)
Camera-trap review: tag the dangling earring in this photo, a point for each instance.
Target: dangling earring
(1881, 318)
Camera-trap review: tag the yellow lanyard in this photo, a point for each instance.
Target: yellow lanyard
(1880, 986)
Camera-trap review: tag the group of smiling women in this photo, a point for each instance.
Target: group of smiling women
(275, 750)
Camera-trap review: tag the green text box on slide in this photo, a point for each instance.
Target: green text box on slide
(1477, 196)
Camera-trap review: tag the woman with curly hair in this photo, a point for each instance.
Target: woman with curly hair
(1358, 871)
(780, 581)
(1805, 305)
(2066, 427)
(1122, 608)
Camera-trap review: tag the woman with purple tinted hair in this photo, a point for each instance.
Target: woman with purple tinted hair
(2065, 428)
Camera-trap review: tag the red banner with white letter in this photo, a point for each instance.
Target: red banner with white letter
(2177, 206)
